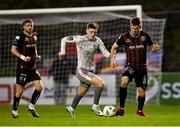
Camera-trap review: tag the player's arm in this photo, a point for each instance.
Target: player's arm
(103, 50)
(67, 39)
(153, 46)
(38, 57)
(113, 54)
(15, 52)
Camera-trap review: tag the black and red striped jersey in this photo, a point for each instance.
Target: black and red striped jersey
(135, 48)
(26, 46)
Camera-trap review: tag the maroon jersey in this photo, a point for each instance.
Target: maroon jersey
(136, 48)
(26, 46)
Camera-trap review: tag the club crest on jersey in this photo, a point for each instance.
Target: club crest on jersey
(128, 41)
(26, 39)
(142, 38)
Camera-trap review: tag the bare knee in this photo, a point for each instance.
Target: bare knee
(81, 94)
(101, 83)
(124, 82)
(19, 91)
(97, 81)
(18, 94)
(38, 85)
(141, 92)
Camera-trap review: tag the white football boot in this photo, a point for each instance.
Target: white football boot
(95, 108)
(14, 114)
(71, 111)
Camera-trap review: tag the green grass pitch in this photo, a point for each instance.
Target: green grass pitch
(57, 116)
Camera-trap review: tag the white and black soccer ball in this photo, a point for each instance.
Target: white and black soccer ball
(109, 110)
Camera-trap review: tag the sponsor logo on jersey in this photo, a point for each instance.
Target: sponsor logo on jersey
(128, 41)
(26, 39)
(136, 46)
(142, 38)
(30, 45)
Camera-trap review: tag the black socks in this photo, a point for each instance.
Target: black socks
(122, 96)
(35, 96)
(16, 103)
(141, 101)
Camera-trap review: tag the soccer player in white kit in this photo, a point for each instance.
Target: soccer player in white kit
(87, 45)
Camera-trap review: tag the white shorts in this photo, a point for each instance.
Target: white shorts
(85, 76)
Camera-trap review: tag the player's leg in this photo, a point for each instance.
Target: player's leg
(99, 85)
(34, 76)
(141, 84)
(81, 92)
(87, 78)
(35, 96)
(17, 96)
(122, 95)
(127, 76)
(141, 100)
(21, 81)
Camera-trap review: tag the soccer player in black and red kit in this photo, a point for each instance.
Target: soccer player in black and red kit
(135, 43)
(24, 47)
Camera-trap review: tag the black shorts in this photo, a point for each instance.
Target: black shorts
(139, 75)
(25, 76)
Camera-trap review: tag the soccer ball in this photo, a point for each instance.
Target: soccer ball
(109, 110)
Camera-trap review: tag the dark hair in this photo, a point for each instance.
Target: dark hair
(27, 20)
(92, 25)
(135, 21)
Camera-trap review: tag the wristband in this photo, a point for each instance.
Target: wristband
(22, 57)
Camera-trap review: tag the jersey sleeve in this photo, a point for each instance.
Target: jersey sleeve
(103, 49)
(73, 38)
(149, 40)
(68, 39)
(120, 41)
(17, 41)
(35, 36)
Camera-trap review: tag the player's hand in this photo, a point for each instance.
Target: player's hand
(60, 54)
(27, 59)
(155, 47)
(38, 57)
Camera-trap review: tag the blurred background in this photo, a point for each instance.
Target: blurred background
(168, 11)
(157, 9)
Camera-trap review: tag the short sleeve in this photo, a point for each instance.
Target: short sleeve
(149, 40)
(17, 40)
(120, 41)
(73, 38)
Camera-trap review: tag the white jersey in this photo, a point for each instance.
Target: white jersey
(86, 49)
